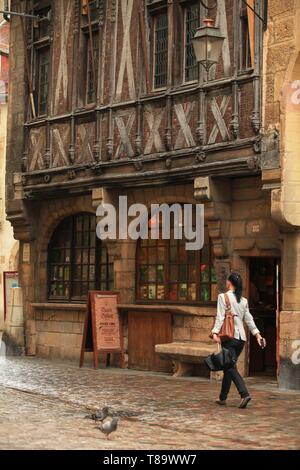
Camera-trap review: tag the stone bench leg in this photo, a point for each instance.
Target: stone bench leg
(182, 369)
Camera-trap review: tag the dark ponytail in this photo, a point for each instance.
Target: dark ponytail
(237, 283)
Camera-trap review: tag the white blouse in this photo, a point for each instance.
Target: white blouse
(241, 314)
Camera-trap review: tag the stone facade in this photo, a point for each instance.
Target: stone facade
(8, 245)
(55, 330)
(282, 112)
(186, 143)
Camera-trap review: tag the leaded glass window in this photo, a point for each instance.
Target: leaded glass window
(245, 50)
(192, 22)
(77, 260)
(42, 26)
(43, 59)
(91, 81)
(160, 50)
(93, 6)
(166, 271)
(94, 9)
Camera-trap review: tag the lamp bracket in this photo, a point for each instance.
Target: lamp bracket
(215, 4)
(24, 15)
(254, 11)
(207, 6)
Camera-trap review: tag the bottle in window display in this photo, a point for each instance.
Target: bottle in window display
(204, 273)
(161, 292)
(152, 292)
(205, 294)
(160, 273)
(61, 290)
(193, 292)
(182, 291)
(67, 274)
(144, 292)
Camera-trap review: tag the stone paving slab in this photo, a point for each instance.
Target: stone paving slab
(43, 404)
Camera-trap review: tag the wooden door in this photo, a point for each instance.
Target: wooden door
(145, 330)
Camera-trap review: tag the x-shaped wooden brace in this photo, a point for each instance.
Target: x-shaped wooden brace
(62, 75)
(184, 116)
(220, 125)
(124, 131)
(61, 154)
(86, 136)
(37, 143)
(126, 56)
(154, 121)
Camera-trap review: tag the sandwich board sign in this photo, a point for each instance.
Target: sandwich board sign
(102, 329)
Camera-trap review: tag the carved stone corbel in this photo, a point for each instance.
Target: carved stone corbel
(100, 196)
(216, 196)
(277, 212)
(21, 219)
(114, 249)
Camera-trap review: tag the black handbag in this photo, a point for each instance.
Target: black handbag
(219, 361)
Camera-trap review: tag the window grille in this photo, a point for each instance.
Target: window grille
(160, 50)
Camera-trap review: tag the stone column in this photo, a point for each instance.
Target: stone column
(289, 371)
(23, 219)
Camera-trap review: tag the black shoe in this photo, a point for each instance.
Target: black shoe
(221, 402)
(244, 402)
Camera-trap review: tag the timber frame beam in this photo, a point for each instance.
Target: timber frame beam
(86, 182)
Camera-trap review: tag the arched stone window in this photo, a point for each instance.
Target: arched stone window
(77, 260)
(167, 272)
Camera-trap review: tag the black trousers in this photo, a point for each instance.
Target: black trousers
(235, 346)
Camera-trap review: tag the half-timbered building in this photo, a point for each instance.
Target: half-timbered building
(107, 99)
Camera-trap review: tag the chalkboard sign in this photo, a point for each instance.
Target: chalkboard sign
(102, 329)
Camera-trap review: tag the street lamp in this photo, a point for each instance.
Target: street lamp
(208, 42)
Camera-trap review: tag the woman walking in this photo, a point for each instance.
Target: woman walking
(240, 310)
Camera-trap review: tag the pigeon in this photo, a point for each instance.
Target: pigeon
(99, 415)
(108, 426)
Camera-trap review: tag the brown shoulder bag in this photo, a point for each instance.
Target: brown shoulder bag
(227, 330)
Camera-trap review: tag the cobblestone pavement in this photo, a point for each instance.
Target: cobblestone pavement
(43, 405)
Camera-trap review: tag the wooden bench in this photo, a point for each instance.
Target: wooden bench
(184, 355)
